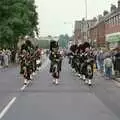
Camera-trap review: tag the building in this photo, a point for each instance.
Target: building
(112, 27)
(81, 29)
(97, 33)
(77, 31)
(107, 29)
(92, 34)
(102, 31)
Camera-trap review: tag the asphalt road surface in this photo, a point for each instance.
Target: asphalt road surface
(70, 100)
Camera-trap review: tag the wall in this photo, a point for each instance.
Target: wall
(101, 33)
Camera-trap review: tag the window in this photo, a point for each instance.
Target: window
(119, 19)
(114, 20)
(110, 22)
(107, 24)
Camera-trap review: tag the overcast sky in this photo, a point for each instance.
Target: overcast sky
(53, 14)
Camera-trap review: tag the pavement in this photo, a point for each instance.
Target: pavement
(70, 100)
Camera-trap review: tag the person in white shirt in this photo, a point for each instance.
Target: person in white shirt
(6, 59)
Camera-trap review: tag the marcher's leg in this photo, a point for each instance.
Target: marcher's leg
(110, 73)
(106, 72)
(101, 67)
(35, 65)
(60, 65)
(51, 65)
(98, 66)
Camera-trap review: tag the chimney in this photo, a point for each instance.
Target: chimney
(100, 17)
(119, 4)
(113, 8)
(105, 13)
(83, 19)
(94, 19)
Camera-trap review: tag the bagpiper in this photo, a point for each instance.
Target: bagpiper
(27, 64)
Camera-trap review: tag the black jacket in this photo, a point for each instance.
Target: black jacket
(54, 56)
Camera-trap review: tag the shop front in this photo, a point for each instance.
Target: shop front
(113, 40)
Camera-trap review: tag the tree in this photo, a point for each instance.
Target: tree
(63, 40)
(17, 18)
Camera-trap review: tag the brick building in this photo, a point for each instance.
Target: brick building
(112, 27)
(77, 31)
(107, 30)
(97, 33)
(92, 34)
(81, 28)
(102, 32)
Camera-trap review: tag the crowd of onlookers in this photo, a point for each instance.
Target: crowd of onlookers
(108, 62)
(7, 57)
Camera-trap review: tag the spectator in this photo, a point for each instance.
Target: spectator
(13, 54)
(108, 66)
(17, 58)
(0, 59)
(9, 55)
(96, 59)
(117, 61)
(5, 59)
(100, 59)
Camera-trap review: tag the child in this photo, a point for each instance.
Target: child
(108, 66)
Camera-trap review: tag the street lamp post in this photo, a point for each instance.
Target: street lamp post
(86, 9)
(86, 19)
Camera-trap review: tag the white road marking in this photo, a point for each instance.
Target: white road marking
(4, 111)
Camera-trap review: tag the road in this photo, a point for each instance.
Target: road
(70, 100)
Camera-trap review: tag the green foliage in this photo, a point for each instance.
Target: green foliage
(63, 41)
(17, 18)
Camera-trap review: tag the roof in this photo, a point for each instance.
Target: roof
(112, 14)
(97, 23)
(79, 25)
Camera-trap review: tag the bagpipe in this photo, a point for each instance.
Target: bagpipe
(27, 62)
(82, 57)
